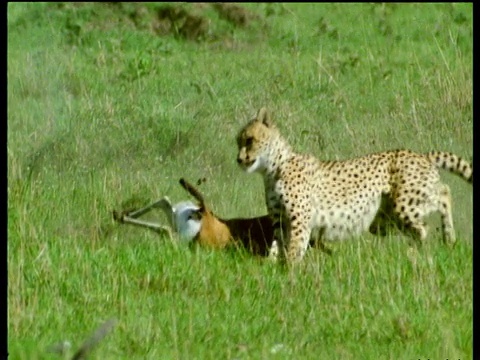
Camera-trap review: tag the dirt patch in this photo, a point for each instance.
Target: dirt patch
(192, 22)
(173, 19)
(235, 14)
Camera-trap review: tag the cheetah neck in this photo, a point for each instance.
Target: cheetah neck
(279, 152)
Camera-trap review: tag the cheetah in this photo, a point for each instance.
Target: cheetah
(340, 199)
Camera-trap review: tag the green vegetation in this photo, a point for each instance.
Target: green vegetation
(110, 104)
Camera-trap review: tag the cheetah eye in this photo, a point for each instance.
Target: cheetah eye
(249, 141)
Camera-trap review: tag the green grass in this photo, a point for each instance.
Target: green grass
(102, 112)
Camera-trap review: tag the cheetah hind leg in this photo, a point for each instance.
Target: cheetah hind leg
(445, 209)
(441, 203)
(411, 224)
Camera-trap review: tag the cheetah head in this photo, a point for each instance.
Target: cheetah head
(252, 142)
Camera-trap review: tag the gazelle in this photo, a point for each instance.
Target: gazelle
(198, 224)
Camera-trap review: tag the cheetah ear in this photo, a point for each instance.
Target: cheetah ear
(264, 116)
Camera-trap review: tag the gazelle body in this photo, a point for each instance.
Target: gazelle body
(196, 223)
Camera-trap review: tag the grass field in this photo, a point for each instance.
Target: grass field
(110, 104)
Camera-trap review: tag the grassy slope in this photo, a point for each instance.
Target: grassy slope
(100, 114)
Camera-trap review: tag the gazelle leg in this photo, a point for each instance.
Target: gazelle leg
(147, 224)
(132, 216)
(164, 204)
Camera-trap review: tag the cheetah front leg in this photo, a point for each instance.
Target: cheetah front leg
(280, 234)
(299, 239)
(276, 211)
(297, 247)
(295, 214)
(292, 240)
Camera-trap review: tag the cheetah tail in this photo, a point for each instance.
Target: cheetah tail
(452, 163)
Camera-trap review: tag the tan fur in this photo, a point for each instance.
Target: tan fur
(213, 232)
(254, 234)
